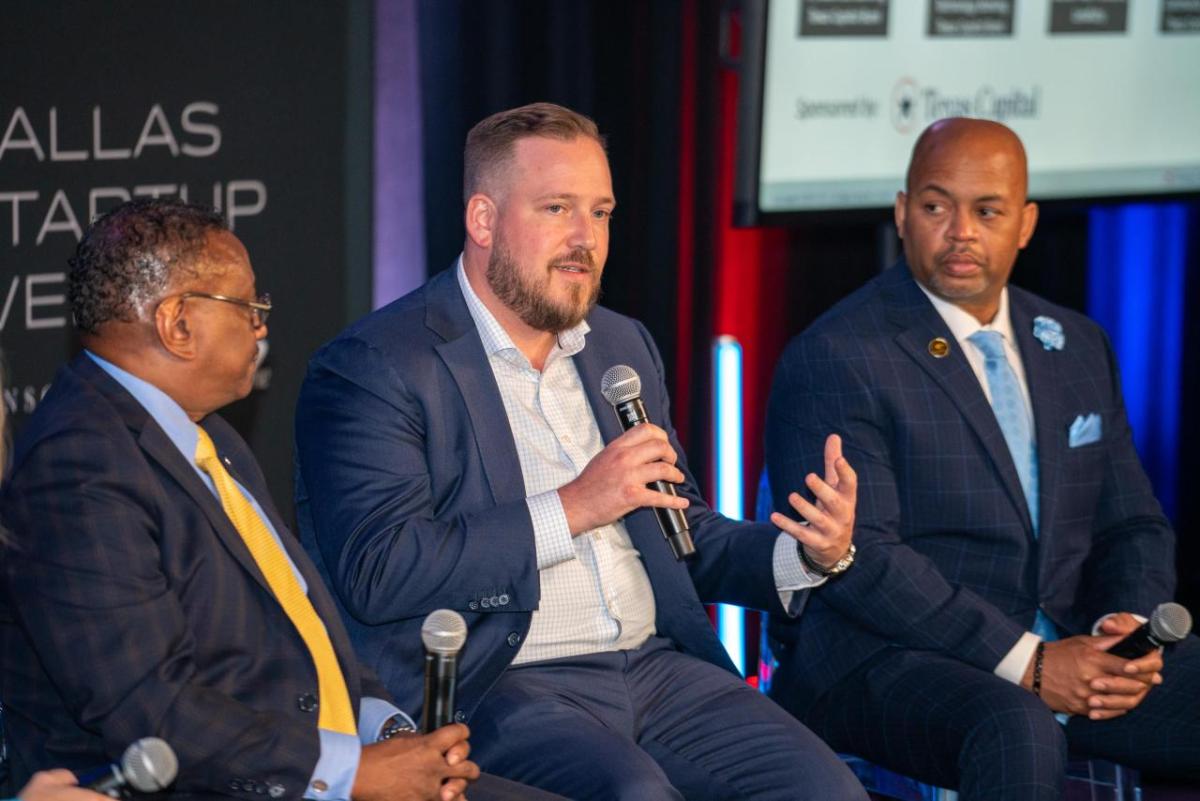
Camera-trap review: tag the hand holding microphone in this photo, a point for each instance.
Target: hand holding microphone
(635, 470)
(56, 785)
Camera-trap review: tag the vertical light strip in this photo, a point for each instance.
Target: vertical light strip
(727, 419)
(1136, 283)
(399, 199)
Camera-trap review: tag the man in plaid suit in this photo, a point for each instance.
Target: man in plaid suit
(132, 606)
(1007, 533)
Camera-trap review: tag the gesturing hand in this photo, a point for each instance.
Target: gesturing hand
(614, 482)
(826, 538)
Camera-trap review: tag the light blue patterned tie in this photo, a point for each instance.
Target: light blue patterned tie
(1008, 404)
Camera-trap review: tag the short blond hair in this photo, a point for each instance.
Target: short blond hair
(490, 143)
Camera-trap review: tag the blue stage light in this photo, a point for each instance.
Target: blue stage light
(727, 419)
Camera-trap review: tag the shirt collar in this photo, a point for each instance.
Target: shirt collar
(497, 342)
(962, 323)
(169, 415)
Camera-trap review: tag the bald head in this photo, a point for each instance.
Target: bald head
(954, 136)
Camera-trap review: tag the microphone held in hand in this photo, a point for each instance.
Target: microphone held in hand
(147, 766)
(622, 387)
(444, 632)
(1168, 623)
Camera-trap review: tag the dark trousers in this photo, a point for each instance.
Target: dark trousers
(650, 724)
(946, 723)
(493, 788)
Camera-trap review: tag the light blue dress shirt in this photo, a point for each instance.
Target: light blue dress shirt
(340, 753)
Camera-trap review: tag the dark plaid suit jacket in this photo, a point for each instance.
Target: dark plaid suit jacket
(130, 606)
(947, 558)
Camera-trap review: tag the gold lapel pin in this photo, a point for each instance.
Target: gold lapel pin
(939, 348)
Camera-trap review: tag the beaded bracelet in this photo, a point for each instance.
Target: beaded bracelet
(1038, 657)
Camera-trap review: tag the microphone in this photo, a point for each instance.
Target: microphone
(147, 766)
(622, 387)
(443, 633)
(1168, 623)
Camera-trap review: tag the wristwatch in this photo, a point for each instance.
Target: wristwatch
(395, 725)
(839, 567)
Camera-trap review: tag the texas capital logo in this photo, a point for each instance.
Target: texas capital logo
(904, 104)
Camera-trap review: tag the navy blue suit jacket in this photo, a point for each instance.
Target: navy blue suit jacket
(947, 557)
(410, 493)
(131, 607)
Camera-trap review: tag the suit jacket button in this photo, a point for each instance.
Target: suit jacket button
(307, 702)
(276, 791)
(473, 606)
(514, 639)
(504, 600)
(495, 599)
(484, 603)
(460, 717)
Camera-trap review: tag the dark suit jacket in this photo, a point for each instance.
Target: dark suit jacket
(947, 557)
(411, 494)
(131, 606)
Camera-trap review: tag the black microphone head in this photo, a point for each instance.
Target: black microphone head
(1170, 622)
(620, 383)
(444, 632)
(149, 765)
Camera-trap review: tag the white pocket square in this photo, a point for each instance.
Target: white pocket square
(1085, 430)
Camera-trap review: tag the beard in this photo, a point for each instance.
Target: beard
(529, 298)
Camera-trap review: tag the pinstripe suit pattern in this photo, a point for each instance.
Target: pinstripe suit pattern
(948, 564)
(131, 607)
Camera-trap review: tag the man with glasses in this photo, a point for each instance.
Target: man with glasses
(149, 586)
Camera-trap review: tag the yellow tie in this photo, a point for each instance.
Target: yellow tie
(336, 713)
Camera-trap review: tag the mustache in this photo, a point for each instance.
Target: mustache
(576, 256)
(958, 255)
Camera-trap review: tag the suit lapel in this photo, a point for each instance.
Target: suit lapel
(158, 447)
(919, 321)
(1040, 369)
(462, 353)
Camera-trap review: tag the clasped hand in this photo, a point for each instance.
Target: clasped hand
(1080, 678)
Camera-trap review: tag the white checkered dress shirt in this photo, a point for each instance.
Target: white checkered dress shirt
(595, 594)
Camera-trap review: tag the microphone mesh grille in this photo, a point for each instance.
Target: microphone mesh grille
(1170, 622)
(444, 632)
(620, 383)
(149, 765)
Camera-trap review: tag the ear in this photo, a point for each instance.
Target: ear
(481, 218)
(174, 328)
(1029, 218)
(899, 211)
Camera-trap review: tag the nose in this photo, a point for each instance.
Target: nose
(962, 225)
(583, 233)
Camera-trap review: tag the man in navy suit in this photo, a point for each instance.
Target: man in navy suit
(133, 605)
(455, 451)
(1007, 533)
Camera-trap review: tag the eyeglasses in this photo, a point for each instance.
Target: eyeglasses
(259, 310)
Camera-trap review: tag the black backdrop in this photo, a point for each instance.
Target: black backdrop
(249, 98)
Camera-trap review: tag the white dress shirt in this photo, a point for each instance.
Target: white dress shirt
(595, 593)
